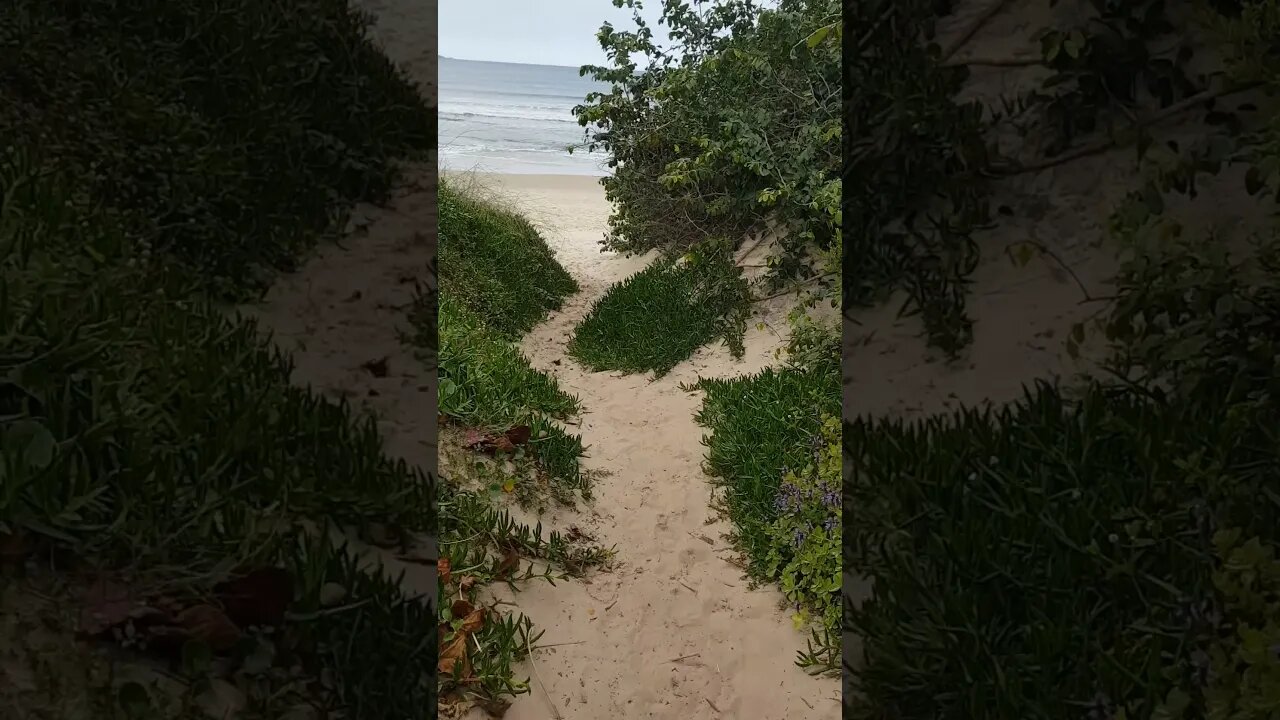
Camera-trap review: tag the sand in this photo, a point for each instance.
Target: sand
(672, 630)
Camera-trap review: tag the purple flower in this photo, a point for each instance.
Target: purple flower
(800, 536)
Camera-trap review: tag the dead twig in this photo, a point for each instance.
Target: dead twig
(993, 62)
(964, 37)
(1040, 247)
(555, 711)
(684, 657)
(1109, 143)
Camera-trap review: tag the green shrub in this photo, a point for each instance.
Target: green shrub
(763, 426)
(805, 556)
(496, 265)
(485, 379)
(658, 317)
(736, 120)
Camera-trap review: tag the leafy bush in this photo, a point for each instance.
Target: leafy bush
(494, 263)
(805, 555)
(658, 317)
(736, 122)
(484, 378)
(498, 280)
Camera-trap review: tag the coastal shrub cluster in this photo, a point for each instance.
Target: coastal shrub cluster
(157, 158)
(1108, 551)
(658, 317)
(735, 121)
(773, 446)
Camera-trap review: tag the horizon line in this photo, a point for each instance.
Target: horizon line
(506, 62)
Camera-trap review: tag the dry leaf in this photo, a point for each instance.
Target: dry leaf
(453, 653)
(466, 582)
(509, 564)
(106, 605)
(211, 626)
(519, 434)
(13, 547)
(376, 368)
(258, 597)
(461, 608)
(473, 621)
(442, 568)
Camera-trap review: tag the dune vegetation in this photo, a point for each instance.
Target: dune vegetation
(1105, 549)
(165, 491)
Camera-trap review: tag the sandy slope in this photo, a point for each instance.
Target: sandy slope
(346, 307)
(673, 593)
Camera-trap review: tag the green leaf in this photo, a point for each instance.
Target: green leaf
(817, 36)
(33, 441)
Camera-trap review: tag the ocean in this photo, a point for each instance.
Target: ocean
(510, 118)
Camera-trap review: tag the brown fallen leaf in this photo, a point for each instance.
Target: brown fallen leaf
(495, 708)
(211, 626)
(443, 569)
(473, 439)
(473, 621)
(491, 443)
(466, 582)
(105, 605)
(452, 653)
(259, 597)
(519, 434)
(509, 564)
(13, 547)
(461, 608)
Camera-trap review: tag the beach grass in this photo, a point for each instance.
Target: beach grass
(495, 264)
(660, 316)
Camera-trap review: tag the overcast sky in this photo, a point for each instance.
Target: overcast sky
(545, 32)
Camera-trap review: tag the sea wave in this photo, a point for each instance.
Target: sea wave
(470, 112)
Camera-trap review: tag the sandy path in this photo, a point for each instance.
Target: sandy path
(672, 594)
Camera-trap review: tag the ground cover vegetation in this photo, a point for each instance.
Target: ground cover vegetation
(160, 475)
(1105, 551)
(731, 129)
(502, 415)
(661, 315)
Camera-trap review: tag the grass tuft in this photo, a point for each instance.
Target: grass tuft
(495, 264)
(658, 317)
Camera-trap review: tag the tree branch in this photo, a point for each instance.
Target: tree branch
(964, 37)
(1109, 143)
